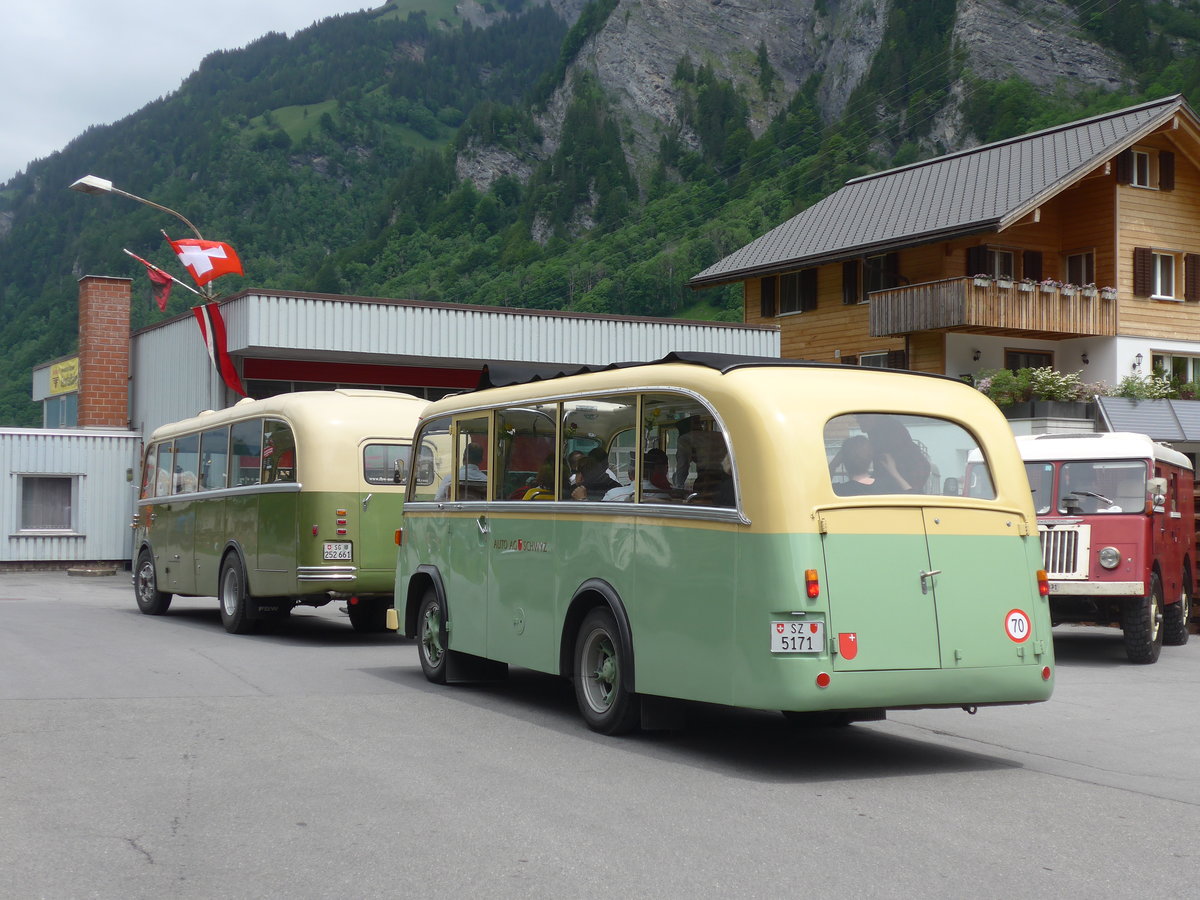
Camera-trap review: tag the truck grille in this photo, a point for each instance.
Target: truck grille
(1065, 550)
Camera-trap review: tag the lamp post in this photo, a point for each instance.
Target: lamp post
(93, 184)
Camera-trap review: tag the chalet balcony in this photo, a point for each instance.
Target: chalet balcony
(986, 306)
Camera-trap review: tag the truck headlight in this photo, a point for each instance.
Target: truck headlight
(1110, 557)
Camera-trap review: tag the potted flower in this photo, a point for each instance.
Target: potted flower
(1089, 290)
(1108, 293)
(1041, 392)
(1026, 285)
(1050, 286)
(1067, 289)
(1004, 281)
(983, 280)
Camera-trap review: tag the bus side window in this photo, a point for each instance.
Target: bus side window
(149, 474)
(432, 460)
(278, 453)
(164, 467)
(214, 459)
(694, 449)
(187, 456)
(246, 454)
(525, 440)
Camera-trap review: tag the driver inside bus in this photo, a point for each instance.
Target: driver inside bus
(472, 480)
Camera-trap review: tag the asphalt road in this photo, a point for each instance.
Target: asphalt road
(159, 757)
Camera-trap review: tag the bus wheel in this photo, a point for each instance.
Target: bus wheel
(368, 616)
(1175, 617)
(1142, 621)
(431, 637)
(150, 599)
(606, 706)
(235, 598)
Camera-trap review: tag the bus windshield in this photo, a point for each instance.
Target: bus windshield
(1102, 486)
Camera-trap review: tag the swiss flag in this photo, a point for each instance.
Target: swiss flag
(206, 260)
(212, 329)
(848, 644)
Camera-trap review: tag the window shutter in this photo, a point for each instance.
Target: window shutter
(1125, 167)
(808, 289)
(766, 295)
(891, 269)
(1031, 265)
(1143, 272)
(851, 277)
(897, 359)
(1191, 276)
(977, 260)
(1166, 170)
(850, 359)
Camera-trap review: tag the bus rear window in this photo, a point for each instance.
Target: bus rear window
(385, 463)
(893, 453)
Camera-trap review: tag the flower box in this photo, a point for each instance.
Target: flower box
(982, 282)
(1026, 286)
(1108, 293)
(1004, 283)
(1049, 289)
(1090, 292)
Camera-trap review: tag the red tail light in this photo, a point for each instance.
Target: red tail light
(399, 537)
(812, 584)
(1043, 583)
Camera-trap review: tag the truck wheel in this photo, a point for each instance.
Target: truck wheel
(150, 599)
(1175, 617)
(236, 604)
(606, 706)
(1142, 621)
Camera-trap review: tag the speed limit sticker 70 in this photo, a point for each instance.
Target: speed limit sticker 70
(1016, 624)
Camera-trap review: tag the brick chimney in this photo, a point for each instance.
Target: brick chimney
(104, 351)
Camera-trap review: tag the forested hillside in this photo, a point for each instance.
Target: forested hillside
(520, 162)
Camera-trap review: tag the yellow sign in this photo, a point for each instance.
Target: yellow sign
(64, 376)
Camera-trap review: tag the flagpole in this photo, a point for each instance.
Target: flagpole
(150, 265)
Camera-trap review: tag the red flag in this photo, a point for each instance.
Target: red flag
(848, 644)
(206, 260)
(160, 282)
(212, 329)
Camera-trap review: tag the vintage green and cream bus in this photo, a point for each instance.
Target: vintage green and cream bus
(274, 503)
(754, 533)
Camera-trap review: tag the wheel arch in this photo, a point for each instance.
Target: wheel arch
(233, 547)
(423, 577)
(596, 592)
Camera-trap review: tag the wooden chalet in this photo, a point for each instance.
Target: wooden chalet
(1076, 247)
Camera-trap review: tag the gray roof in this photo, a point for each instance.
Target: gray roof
(983, 189)
(1162, 420)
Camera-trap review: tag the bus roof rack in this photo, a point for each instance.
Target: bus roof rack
(504, 374)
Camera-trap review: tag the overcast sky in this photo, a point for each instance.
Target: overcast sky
(68, 64)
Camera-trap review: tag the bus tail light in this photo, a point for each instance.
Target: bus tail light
(812, 584)
(823, 680)
(399, 537)
(1045, 673)
(1043, 583)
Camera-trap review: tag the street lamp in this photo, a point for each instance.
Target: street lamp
(93, 184)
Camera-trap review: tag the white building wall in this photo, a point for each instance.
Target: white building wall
(97, 461)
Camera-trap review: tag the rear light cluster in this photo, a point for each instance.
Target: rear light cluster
(812, 584)
(341, 523)
(1043, 582)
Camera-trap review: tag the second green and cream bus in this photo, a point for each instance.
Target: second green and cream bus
(269, 504)
(797, 537)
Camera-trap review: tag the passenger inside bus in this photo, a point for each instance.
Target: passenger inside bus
(855, 458)
(472, 480)
(901, 466)
(654, 473)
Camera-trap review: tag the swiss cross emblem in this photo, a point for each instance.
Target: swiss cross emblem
(779, 628)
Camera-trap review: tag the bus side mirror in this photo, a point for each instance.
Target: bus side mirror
(1157, 488)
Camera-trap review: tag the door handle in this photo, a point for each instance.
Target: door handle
(925, 575)
(482, 522)
(366, 500)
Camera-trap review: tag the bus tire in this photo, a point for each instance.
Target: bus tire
(605, 704)
(150, 600)
(368, 616)
(1141, 622)
(1175, 616)
(431, 637)
(234, 596)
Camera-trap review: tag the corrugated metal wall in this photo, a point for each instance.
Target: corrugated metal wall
(97, 460)
(172, 377)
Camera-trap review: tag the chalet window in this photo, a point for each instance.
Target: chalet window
(1163, 276)
(1031, 264)
(1081, 268)
(798, 291)
(851, 281)
(1153, 169)
(1027, 359)
(881, 272)
(874, 360)
(1179, 368)
(985, 260)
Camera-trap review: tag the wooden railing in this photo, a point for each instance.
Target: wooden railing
(991, 308)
